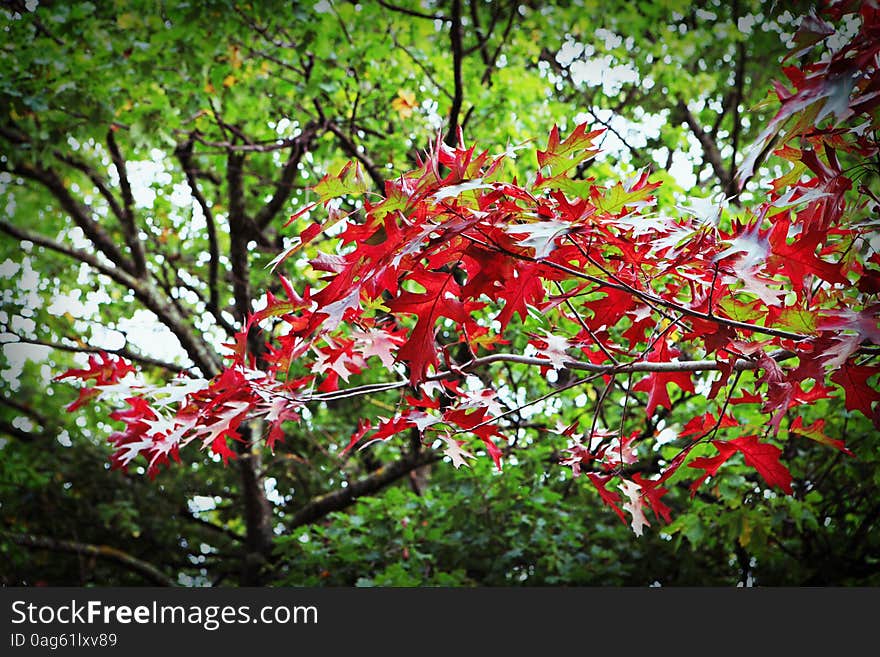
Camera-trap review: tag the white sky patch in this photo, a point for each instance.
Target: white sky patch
(16, 355)
(199, 503)
(144, 330)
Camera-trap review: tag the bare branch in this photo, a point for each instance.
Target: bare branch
(710, 148)
(80, 213)
(124, 352)
(207, 524)
(457, 56)
(184, 155)
(284, 185)
(739, 81)
(147, 570)
(252, 147)
(424, 68)
(96, 179)
(25, 436)
(623, 368)
(129, 229)
(119, 275)
(351, 149)
(197, 350)
(490, 65)
(238, 236)
(339, 499)
(412, 12)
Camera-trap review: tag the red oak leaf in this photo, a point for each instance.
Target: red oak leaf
(765, 459)
(816, 431)
(608, 496)
(655, 383)
(854, 381)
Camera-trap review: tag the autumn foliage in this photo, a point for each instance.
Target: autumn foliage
(460, 268)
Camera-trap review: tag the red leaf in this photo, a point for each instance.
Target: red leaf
(652, 493)
(655, 383)
(608, 496)
(765, 459)
(761, 456)
(854, 381)
(711, 464)
(362, 428)
(440, 299)
(816, 431)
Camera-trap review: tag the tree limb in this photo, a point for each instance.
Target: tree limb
(99, 183)
(621, 368)
(490, 65)
(710, 148)
(204, 359)
(147, 570)
(284, 185)
(739, 81)
(207, 524)
(78, 212)
(124, 352)
(119, 275)
(339, 499)
(10, 430)
(184, 155)
(457, 56)
(412, 12)
(129, 229)
(351, 149)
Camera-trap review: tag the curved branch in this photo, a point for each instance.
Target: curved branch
(623, 368)
(129, 229)
(78, 212)
(412, 12)
(710, 148)
(196, 349)
(119, 275)
(124, 352)
(99, 183)
(147, 570)
(184, 155)
(343, 497)
(284, 185)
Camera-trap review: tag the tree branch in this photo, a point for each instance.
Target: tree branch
(184, 155)
(622, 368)
(238, 237)
(147, 570)
(207, 524)
(341, 498)
(490, 66)
(204, 359)
(739, 81)
(710, 148)
(129, 229)
(117, 274)
(457, 56)
(78, 212)
(124, 352)
(284, 185)
(99, 183)
(10, 430)
(412, 12)
(351, 149)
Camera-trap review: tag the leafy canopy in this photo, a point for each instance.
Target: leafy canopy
(460, 282)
